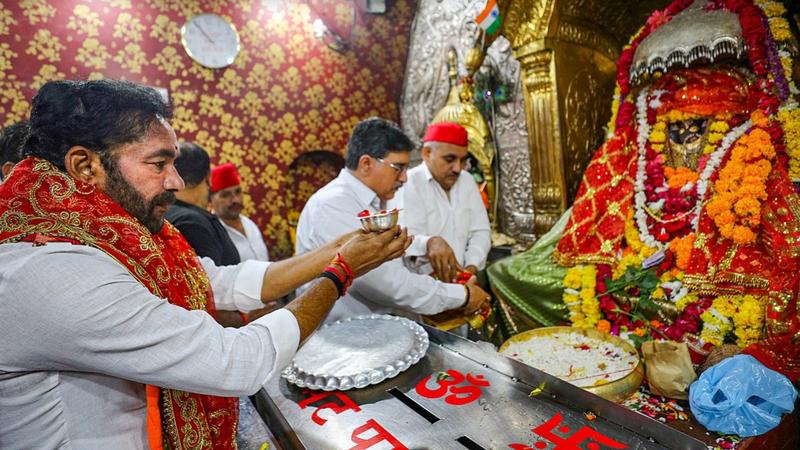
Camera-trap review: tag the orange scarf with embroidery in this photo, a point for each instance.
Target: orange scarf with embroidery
(39, 203)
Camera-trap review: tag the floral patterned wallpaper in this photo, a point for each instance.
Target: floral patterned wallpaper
(286, 94)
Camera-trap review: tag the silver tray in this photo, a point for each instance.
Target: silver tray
(357, 352)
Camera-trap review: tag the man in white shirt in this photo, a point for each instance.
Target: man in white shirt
(226, 200)
(443, 207)
(83, 251)
(375, 168)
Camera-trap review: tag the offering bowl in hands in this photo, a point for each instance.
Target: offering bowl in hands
(380, 221)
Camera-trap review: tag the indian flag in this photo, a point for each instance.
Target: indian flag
(489, 18)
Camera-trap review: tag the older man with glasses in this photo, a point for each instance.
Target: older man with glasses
(376, 164)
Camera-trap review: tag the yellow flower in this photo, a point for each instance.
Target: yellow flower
(719, 127)
(584, 308)
(657, 136)
(773, 9)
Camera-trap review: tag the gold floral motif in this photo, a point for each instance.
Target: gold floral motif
(230, 127)
(6, 20)
(231, 83)
(277, 97)
(131, 58)
(47, 72)
(93, 54)
(251, 105)
(165, 30)
(275, 56)
(85, 21)
(287, 125)
(37, 11)
(315, 96)
(6, 55)
(168, 61)
(211, 105)
(121, 4)
(128, 28)
(14, 105)
(45, 46)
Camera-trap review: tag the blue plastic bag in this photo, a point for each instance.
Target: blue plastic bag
(741, 396)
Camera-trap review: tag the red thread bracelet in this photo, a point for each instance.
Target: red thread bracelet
(339, 261)
(343, 278)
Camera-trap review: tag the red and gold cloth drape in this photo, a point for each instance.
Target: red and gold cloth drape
(39, 203)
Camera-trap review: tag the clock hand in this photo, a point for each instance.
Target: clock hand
(204, 32)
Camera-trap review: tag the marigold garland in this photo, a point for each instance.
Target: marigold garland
(579, 296)
(741, 187)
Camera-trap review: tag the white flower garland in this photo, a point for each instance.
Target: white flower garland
(640, 199)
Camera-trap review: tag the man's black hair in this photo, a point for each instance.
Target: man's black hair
(12, 141)
(100, 115)
(375, 137)
(193, 163)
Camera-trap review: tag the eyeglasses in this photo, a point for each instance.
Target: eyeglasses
(399, 168)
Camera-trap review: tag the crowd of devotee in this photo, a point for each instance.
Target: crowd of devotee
(142, 306)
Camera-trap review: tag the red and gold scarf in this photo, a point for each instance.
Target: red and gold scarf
(39, 203)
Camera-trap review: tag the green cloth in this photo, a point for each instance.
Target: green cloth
(530, 285)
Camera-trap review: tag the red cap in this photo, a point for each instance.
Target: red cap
(447, 132)
(224, 176)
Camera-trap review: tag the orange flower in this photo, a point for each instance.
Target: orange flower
(747, 206)
(758, 118)
(639, 332)
(682, 248)
(656, 324)
(680, 177)
(604, 325)
(743, 235)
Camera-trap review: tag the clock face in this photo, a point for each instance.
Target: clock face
(210, 40)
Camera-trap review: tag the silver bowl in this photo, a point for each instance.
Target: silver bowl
(381, 221)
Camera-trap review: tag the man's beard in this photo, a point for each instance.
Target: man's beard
(122, 192)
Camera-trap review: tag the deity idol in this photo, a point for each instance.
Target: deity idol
(686, 225)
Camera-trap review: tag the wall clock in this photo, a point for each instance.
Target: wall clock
(210, 40)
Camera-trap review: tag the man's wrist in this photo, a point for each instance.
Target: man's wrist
(340, 289)
(466, 297)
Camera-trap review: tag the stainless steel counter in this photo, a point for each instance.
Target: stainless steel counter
(484, 402)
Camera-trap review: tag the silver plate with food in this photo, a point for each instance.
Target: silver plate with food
(357, 352)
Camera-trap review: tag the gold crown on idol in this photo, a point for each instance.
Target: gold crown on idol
(694, 36)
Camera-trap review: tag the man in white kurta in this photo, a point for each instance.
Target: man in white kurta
(376, 163)
(443, 208)
(226, 200)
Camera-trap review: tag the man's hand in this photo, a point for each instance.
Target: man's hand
(366, 251)
(477, 298)
(442, 259)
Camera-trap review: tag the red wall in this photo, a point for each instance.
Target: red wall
(286, 94)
